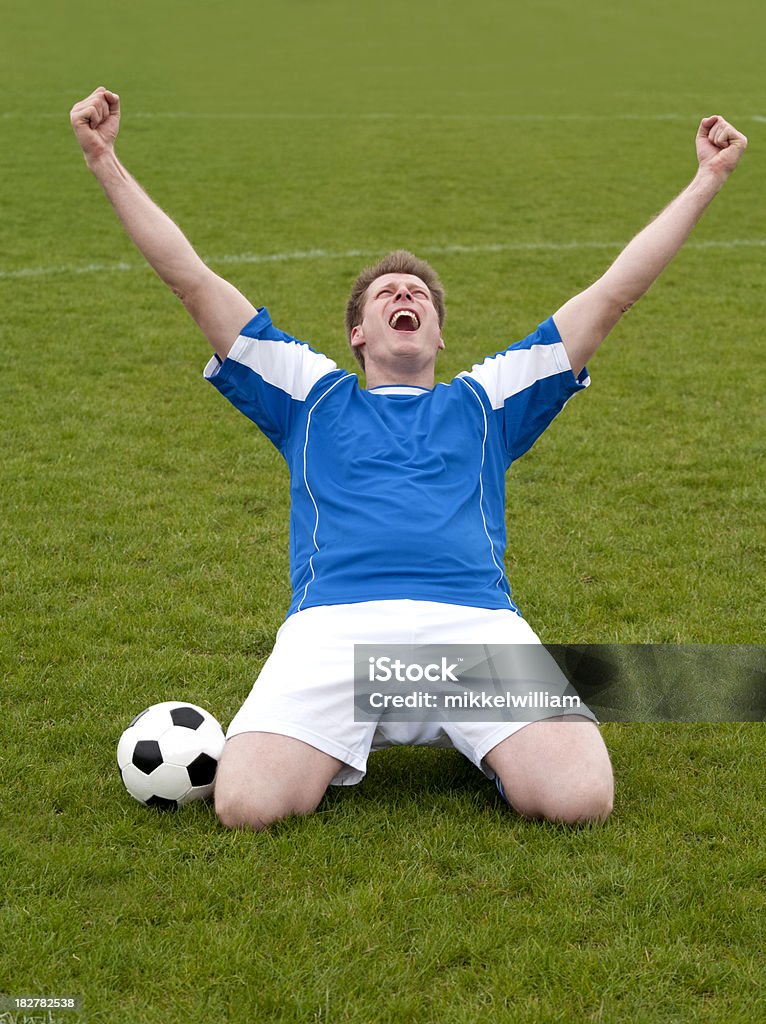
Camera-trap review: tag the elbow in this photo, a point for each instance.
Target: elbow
(618, 302)
(183, 289)
(189, 292)
(187, 298)
(614, 298)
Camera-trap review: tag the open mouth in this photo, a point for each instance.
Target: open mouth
(405, 320)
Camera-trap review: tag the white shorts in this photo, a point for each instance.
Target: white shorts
(306, 688)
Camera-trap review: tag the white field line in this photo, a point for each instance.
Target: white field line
(328, 254)
(257, 115)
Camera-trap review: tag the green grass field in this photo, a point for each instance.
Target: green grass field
(144, 551)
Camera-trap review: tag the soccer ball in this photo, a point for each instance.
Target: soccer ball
(168, 755)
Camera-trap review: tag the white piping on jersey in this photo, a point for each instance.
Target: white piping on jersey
(499, 568)
(351, 377)
(398, 389)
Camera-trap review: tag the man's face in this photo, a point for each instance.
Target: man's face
(400, 325)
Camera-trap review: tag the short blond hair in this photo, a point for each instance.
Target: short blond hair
(398, 262)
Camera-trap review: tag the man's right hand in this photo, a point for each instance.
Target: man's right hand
(96, 121)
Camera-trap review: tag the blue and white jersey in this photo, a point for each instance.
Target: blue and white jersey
(396, 492)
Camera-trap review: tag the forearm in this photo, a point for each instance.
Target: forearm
(585, 320)
(647, 255)
(159, 240)
(218, 307)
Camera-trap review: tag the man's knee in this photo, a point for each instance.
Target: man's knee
(256, 811)
(234, 812)
(586, 799)
(590, 802)
(556, 770)
(265, 777)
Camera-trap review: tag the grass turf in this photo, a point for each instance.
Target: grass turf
(145, 544)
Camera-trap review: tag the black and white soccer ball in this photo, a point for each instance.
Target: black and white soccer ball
(168, 755)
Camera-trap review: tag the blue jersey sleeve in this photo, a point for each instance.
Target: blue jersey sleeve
(527, 385)
(268, 375)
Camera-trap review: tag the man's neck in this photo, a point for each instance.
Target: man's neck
(378, 377)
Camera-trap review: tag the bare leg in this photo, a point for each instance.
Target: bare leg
(263, 777)
(556, 769)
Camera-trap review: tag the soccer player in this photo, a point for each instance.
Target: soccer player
(397, 521)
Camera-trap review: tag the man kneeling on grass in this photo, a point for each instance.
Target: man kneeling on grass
(398, 494)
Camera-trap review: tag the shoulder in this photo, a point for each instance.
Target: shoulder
(274, 357)
(538, 357)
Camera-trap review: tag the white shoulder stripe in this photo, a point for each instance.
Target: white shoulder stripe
(291, 366)
(512, 371)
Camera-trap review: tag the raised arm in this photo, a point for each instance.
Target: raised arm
(585, 320)
(217, 306)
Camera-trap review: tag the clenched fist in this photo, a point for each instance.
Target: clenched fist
(719, 145)
(96, 121)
